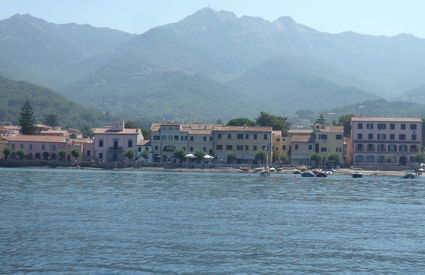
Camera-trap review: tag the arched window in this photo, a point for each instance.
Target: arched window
(413, 148)
(370, 147)
(402, 148)
(392, 148)
(370, 159)
(359, 147)
(359, 159)
(381, 148)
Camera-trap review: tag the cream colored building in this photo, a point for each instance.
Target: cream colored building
(281, 145)
(328, 140)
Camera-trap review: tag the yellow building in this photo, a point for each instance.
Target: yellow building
(281, 145)
(328, 140)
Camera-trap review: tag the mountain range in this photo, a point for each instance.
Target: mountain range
(212, 65)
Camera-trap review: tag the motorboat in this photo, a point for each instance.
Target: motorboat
(357, 173)
(319, 174)
(308, 174)
(409, 175)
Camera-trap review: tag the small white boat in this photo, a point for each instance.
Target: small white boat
(409, 175)
(358, 173)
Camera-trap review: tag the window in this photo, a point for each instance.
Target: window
(176, 137)
(265, 136)
(402, 137)
(229, 136)
(43, 147)
(413, 148)
(13, 146)
(100, 142)
(210, 138)
(191, 149)
(359, 147)
(323, 149)
(414, 137)
(155, 137)
(21, 146)
(359, 159)
(130, 143)
(204, 149)
(219, 136)
(204, 138)
(381, 148)
(359, 136)
(283, 147)
(360, 126)
(163, 137)
(239, 136)
(246, 147)
(323, 137)
(310, 147)
(412, 126)
(392, 136)
(382, 126)
(370, 159)
(88, 153)
(338, 137)
(392, 126)
(239, 147)
(296, 146)
(156, 148)
(246, 136)
(191, 138)
(54, 147)
(30, 146)
(369, 126)
(402, 148)
(255, 136)
(392, 148)
(229, 147)
(338, 150)
(139, 149)
(255, 147)
(370, 147)
(219, 147)
(101, 155)
(403, 126)
(381, 136)
(370, 136)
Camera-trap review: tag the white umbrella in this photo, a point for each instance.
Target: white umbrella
(208, 157)
(190, 156)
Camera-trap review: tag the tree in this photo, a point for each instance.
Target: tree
(62, 155)
(6, 152)
(27, 119)
(419, 158)
(242, 121)
(129, 154)
(260, 156)
(131, 125)
(283, 158)
(180, 154)
(145, 154)
(87, 132)
(199, 154)
(21, 154)
(315, 158)
(276, 122)
(51, 119)
(321, 119)
(75, 153)
(334, 158)
(345, 121)
(231, 157)
(146, 133)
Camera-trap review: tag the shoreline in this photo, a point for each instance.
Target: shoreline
(340, 171)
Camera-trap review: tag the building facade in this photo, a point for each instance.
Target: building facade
(385, 141)
(40, 147)
(144, 151)
(111, 143)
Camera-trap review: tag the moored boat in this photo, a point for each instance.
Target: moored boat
(307, 174)
(358, 173)
(409, 175)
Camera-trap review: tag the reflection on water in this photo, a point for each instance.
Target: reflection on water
(78, 221)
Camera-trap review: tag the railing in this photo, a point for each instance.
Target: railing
(115, 148)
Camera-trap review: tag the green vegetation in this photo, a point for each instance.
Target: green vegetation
(51, 120)
(231, 157)
(179, 154)
(419, 158)
(27, 120)
(334, 158)
(145, 154)
(345, 121)
(260, 156)
(129, 154)
(315, 158)
(7, 152)
(276, 122)
(199, 154)
(240, 122)
(21, 154)
(62, 155)
(75, 153)
(14, 94)
(283, 158)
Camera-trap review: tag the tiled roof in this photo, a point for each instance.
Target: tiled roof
(144, 142)
(333, 129)
(36, 138)
(55, 132)
(386, 119)
(108, 131)
(277, 133)
(243, 128)
(300, 131)
(83, 140)
(302, 138)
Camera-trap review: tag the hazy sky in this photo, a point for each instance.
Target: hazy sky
(380, 17)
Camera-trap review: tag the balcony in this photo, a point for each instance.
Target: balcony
(115, 148)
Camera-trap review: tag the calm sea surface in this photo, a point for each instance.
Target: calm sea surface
(103, 222)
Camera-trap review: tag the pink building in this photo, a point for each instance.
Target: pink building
(302, 147)
(113, 142)
(385, 141)
(10, 130)
(39, 147)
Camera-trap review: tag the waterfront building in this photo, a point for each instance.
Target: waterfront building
(302, 147)
(378, 141)
(328, 140)
(111, 143)
(144, 146)
(281, 145)
(39, 147)
(167, 137)
(3, 145)
(243, 141)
